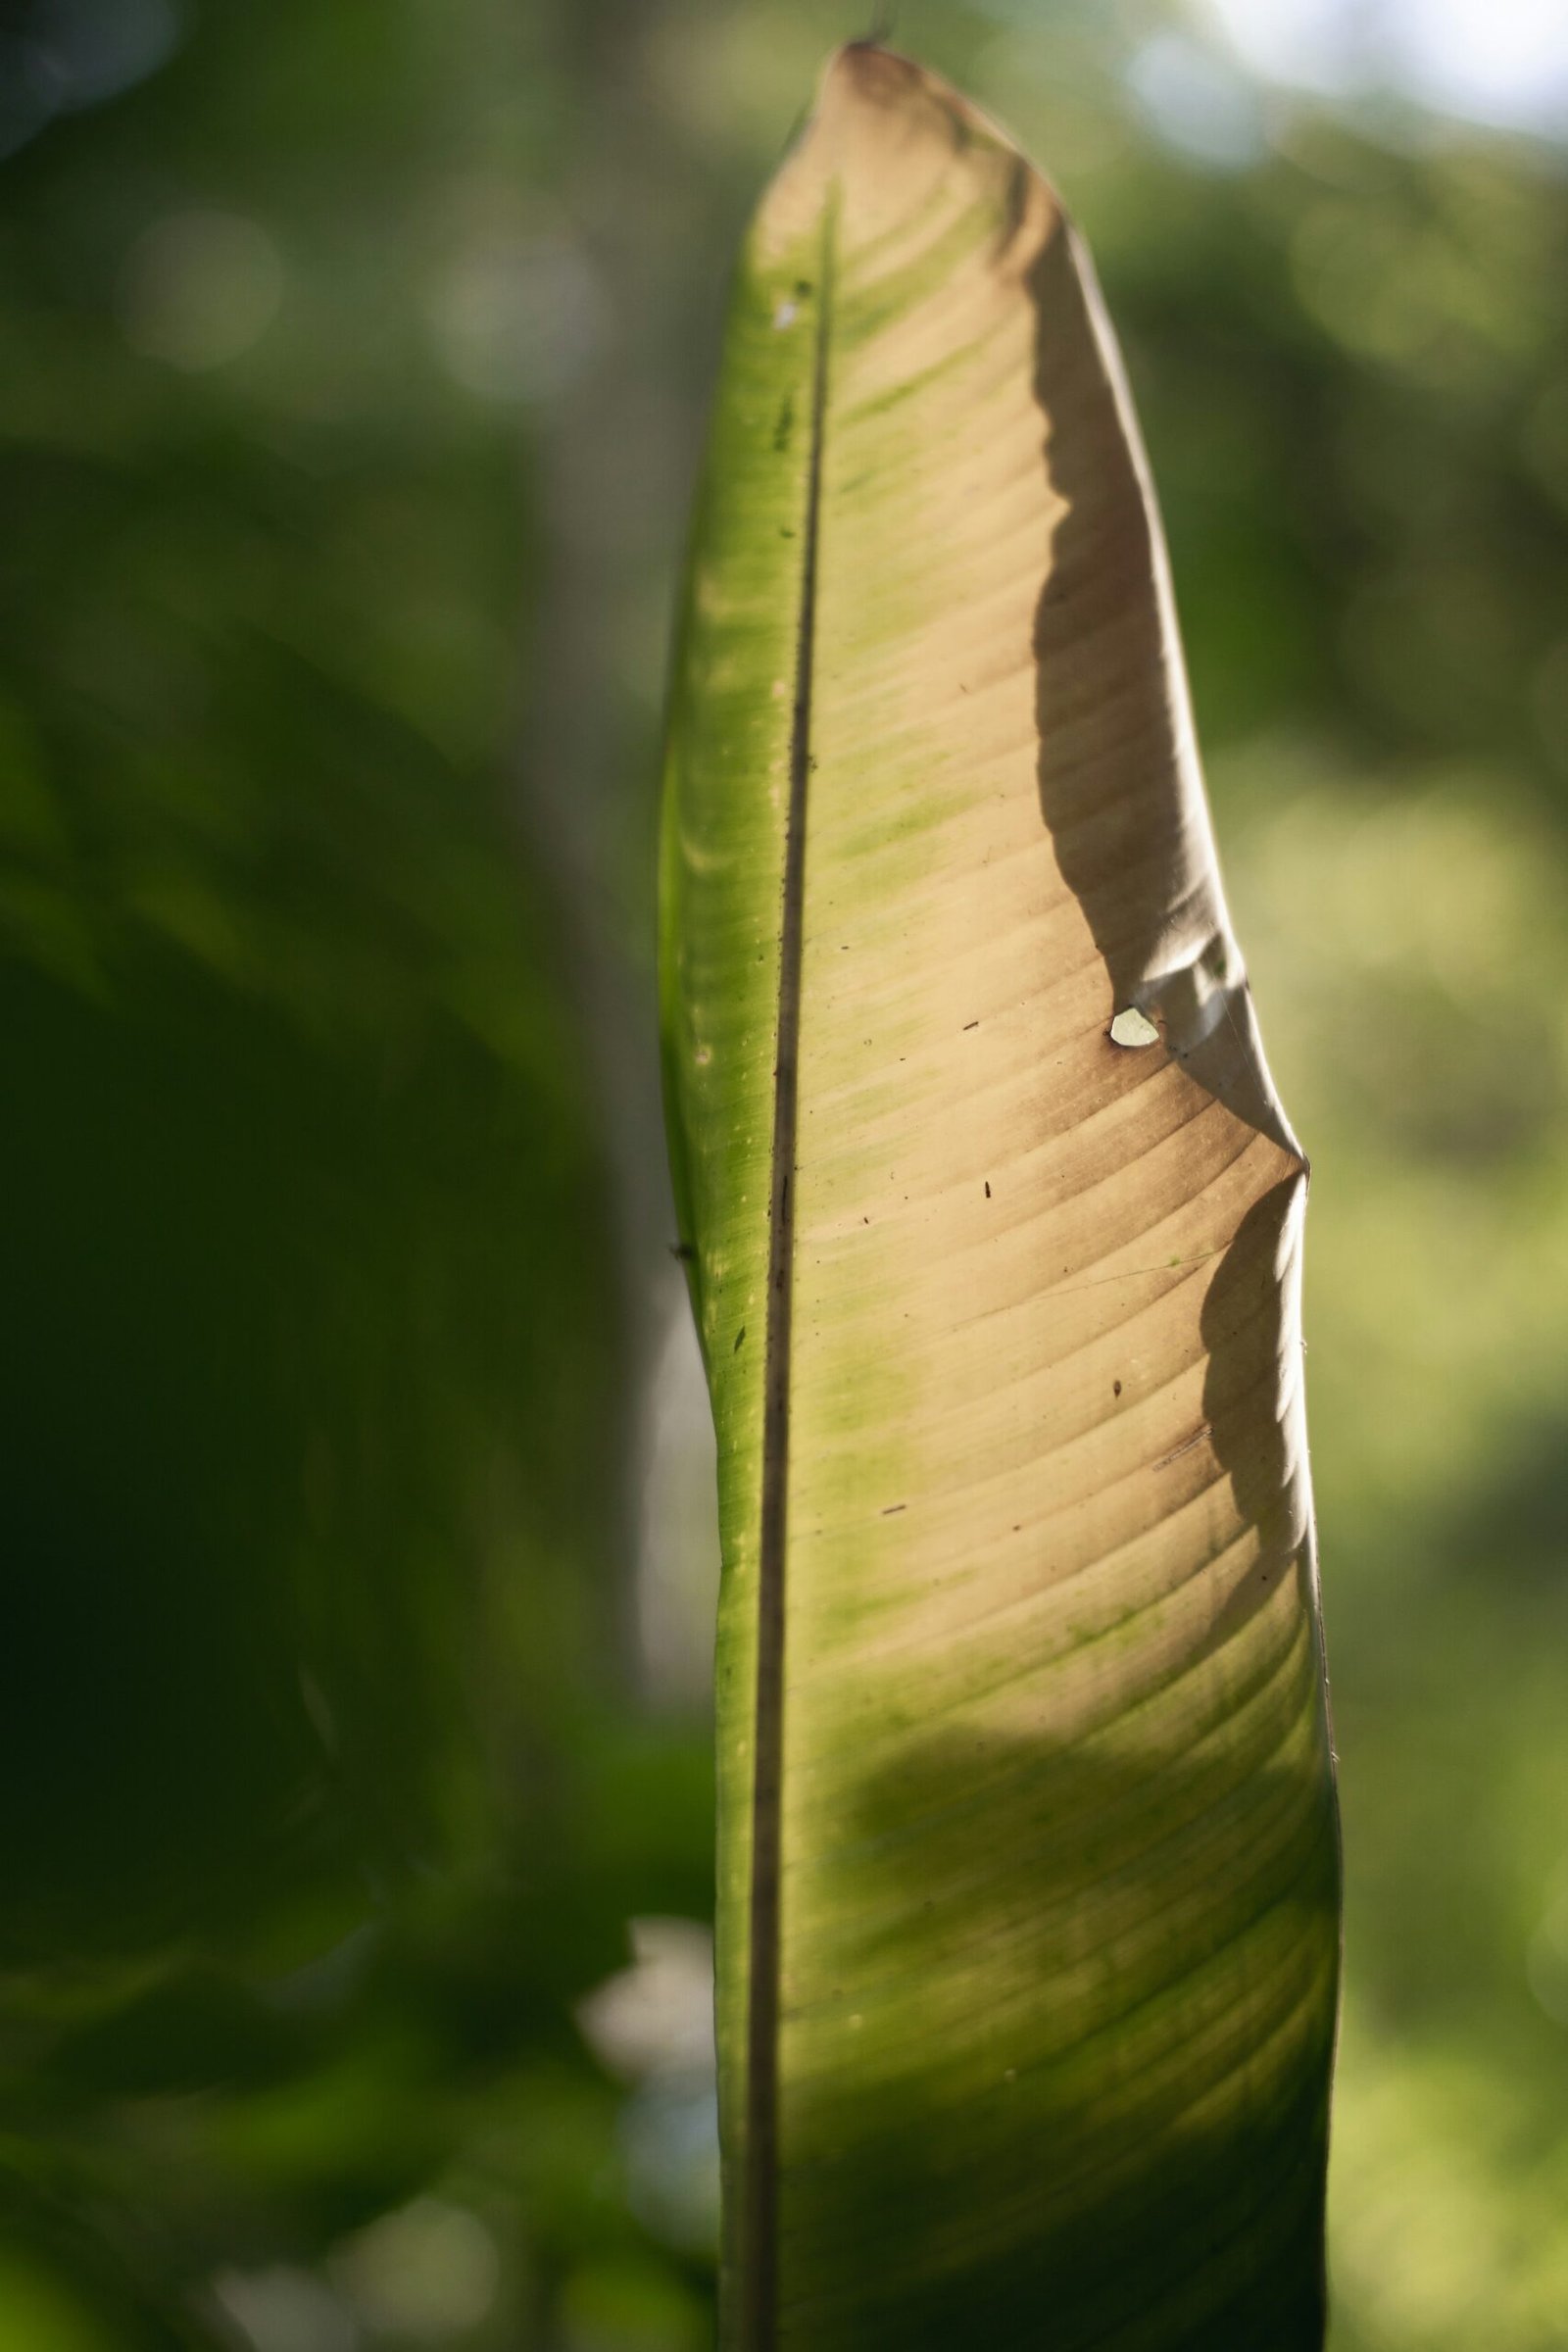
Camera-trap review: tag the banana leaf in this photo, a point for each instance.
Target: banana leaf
(1028, 1931)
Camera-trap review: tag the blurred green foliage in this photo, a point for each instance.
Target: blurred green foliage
(355, 362)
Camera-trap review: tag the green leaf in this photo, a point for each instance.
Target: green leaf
(1028, 1873)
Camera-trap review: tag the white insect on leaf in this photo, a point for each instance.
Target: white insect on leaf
(1133, 1028)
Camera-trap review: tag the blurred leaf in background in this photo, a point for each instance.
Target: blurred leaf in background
(356, 1519)
(318, 1802)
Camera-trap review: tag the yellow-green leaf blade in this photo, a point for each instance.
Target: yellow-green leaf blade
(1027, 1934)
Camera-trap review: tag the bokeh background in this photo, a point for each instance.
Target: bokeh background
(355, 1482)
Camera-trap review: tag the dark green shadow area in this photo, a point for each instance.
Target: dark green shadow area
(1104, 2197)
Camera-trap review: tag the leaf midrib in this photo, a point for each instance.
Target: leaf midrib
(758, 2232)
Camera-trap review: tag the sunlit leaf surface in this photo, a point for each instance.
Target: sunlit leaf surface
(1028, 1880)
